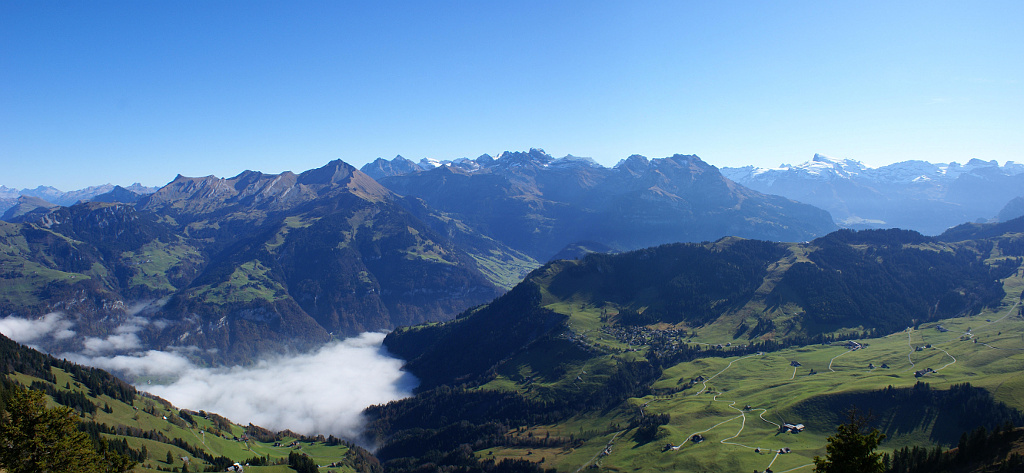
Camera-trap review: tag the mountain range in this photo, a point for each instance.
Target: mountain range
(914, 195)
(539, 204)
(53, 196)
(262, 262)
(540, 332)
(253, 263)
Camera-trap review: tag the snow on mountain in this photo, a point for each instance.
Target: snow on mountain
(569, 160)
(465, 164)
(8, 193)
(429, 163)
(822, 167)
(825, 167)
(9, 197)
(918, 195)
(909, 171)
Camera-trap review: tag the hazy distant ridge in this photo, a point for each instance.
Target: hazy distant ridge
(915, 195)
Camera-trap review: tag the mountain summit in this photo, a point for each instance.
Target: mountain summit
(539, 204)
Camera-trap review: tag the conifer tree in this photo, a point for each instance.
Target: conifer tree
(37, 439)
(852, 449)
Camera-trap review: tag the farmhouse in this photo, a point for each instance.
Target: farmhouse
(918, 374)
(792, 428)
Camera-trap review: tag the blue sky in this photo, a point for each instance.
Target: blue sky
(95, 92)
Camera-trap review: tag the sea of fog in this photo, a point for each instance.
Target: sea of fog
(322, 392)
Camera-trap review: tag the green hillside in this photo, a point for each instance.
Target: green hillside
(617, 361)
(737, 403)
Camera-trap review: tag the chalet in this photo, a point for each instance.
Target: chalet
(794, 363)
(792, 428)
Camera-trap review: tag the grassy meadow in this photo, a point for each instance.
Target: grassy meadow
(738, 403)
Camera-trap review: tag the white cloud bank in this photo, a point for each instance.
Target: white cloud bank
(323, 392)
(124, 338)
(28, 331)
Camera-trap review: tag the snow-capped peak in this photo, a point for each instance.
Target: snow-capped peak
(428, 163)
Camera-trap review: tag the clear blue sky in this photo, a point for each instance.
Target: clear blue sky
(94, 92)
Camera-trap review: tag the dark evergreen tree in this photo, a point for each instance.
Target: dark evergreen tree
(852, 449)
(301, 463)
(34, 438)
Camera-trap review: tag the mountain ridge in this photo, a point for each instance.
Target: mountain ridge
(911, 194)
(279, 261)
(638, 203)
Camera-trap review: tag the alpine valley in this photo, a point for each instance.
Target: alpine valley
(688, 323)
(258, 263)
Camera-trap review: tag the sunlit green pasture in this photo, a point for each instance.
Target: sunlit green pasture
(738, 403)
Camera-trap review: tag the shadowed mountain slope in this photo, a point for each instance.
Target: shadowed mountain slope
(539, 204)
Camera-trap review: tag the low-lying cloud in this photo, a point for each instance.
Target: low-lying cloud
(323, 392)
(150, 363)
(28, 331)
(124, 338)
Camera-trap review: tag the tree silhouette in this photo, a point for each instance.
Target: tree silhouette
(852, 448)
